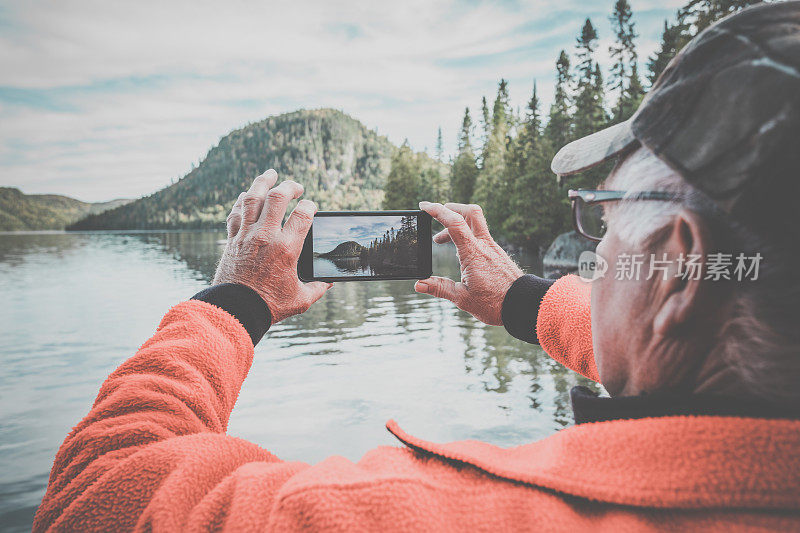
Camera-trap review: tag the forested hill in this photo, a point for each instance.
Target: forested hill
(22, 212)
(345, 249)
(341, 164)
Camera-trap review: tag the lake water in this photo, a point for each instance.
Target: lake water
(325, 267)
(341, 266)
(75, 306)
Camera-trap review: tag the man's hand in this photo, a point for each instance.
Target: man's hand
(487, 271)
(262, 255)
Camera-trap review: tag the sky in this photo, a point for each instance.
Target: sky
(329, 232)
(103, 100)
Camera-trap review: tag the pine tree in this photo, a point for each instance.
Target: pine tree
(559, 125)
(624, 80)
(486, 126)
(490, 184)
(465, 137)
(532, 125)
(586, 44)
(621, 47)
(536, 213)
(673, 38)
(465, 168)
(634, 94)
(434, 184)
(501, 110)
(403, 181)
(599, 89)
(590, 115)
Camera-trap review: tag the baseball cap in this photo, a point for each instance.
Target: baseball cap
(725, 114)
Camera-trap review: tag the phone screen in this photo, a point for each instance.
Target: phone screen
(367, 245)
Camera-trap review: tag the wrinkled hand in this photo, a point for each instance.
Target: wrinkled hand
(262, 255)
(487, 271)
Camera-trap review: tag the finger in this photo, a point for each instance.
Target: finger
(314, 290)
(442, 237)
(253, 201)
(456, 225)
(473, 214)
(296, 228)
(442, 288)
(278, 200)
(234, 221)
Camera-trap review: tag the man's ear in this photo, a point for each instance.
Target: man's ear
(688, 236)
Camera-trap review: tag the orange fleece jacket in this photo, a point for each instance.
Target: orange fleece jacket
(152, 454)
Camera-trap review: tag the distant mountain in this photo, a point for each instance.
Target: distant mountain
(345, 249)
(20, 211)
(341, 164)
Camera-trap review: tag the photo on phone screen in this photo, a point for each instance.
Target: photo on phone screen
(374, 245)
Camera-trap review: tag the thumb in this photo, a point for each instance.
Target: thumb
(441, 288)
(314, 290)
(442, 237)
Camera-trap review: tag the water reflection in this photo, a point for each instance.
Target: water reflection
(76, 305)
(330, 267)
(341, 266)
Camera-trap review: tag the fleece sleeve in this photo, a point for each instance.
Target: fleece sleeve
(556, 315)
(564, 325)
(152, 453)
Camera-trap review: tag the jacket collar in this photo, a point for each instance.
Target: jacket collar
(665, 462)
(589, 407)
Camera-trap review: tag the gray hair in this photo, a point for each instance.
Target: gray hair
(760, 341)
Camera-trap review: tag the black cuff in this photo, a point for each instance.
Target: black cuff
(243, 303)
(521, 306)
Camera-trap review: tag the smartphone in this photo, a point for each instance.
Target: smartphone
(367, 245)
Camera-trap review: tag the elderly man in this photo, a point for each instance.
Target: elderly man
(701, 430)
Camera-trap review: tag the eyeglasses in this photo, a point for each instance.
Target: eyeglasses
(588, 214)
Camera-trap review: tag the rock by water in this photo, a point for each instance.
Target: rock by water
(562, 256)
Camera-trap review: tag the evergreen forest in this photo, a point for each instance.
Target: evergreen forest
(503, 156)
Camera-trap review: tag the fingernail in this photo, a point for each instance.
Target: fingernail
(423, 205)
(421, 286)
(270, 171)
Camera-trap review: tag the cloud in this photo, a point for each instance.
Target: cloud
(102, 100)
(328, 232)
